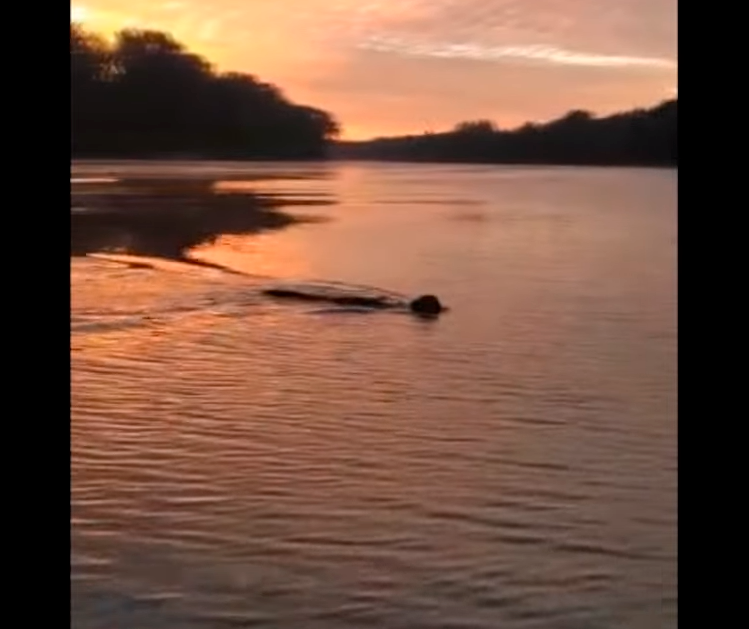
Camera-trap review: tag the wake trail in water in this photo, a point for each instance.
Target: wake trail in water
(332, 297)
(175, 264)
(312, 287)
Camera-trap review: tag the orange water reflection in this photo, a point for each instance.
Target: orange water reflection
(271, 255)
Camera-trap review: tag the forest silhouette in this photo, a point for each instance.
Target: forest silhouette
(146, 96)
(643, 137)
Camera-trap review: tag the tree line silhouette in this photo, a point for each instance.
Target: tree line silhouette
(646, 137)
(146, 95)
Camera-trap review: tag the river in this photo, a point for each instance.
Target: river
(242, 462)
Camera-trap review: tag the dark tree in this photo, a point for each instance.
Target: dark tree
(639, 137)
(146, 95)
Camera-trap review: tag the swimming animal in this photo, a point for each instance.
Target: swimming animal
(423, 305)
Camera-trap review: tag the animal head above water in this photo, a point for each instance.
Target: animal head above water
(426, 305)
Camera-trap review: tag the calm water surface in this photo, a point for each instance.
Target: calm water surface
(238, 462)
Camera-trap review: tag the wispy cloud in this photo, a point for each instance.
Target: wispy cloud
(534, 53)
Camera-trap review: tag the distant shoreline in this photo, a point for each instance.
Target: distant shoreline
(184, 159)
(456, 162)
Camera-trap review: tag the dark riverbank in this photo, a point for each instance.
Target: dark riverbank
(638, 138)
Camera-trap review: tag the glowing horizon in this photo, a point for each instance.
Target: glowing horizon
(387, 67)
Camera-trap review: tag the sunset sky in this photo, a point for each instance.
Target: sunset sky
(387, 67)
